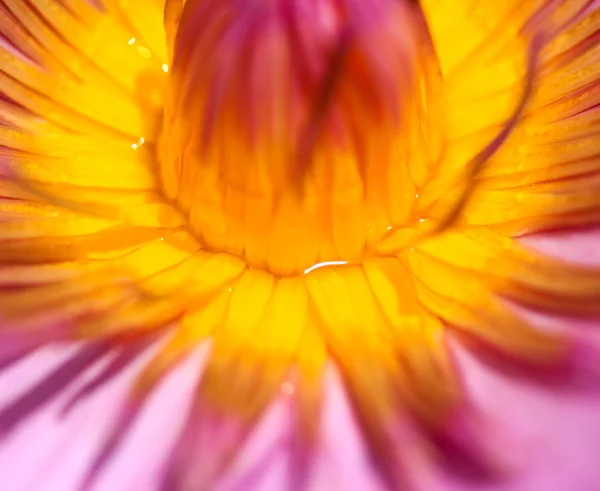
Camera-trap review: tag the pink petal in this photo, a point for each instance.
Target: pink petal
(554, 435)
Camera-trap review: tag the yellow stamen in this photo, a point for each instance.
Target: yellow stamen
(284, 129)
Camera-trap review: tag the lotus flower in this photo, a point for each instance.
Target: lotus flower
(216, 214)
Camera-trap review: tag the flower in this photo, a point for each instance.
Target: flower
(301, 183)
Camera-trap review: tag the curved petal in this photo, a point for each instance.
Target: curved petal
(534, 180)
(91, 250)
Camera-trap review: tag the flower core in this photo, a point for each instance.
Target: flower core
(289, 135)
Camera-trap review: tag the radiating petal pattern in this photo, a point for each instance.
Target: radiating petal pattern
(302, 192)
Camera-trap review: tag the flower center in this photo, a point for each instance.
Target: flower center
(296, 132)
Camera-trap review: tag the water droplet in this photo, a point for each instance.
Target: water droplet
(325, 264)
(138, 144)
